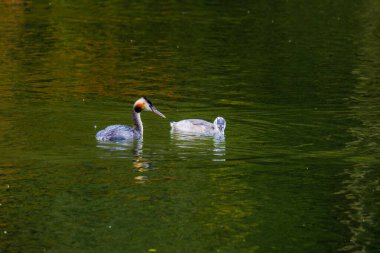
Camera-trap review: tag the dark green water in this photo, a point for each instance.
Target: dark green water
(297, 82)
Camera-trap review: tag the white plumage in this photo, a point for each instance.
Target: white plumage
(200, 126)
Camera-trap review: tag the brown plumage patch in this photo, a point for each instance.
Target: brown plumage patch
(139, 107)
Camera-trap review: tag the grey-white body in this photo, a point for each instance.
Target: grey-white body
(117, 133)
(200, 126)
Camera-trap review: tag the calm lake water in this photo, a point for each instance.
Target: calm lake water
(297, 82)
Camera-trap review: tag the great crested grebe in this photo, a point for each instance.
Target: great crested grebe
(200, 126)
(124, 132)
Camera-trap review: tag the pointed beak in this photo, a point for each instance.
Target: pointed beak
(157, 112)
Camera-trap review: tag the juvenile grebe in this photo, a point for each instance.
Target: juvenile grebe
(200, 126)
(124, 132)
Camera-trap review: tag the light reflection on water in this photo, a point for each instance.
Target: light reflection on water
(188, 143)
(131, 150)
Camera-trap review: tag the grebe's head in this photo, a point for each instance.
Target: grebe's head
(144, 104)
(220, 124)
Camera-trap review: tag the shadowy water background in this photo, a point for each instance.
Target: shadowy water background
(297, 82)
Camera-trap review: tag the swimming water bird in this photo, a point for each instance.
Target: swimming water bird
(200, 126)
(119, 133)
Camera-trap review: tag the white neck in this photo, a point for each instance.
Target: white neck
(137, 123)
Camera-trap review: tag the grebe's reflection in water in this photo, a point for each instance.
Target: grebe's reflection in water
(195, 143)
(132, 150)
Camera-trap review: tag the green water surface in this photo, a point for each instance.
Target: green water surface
(296, 81)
